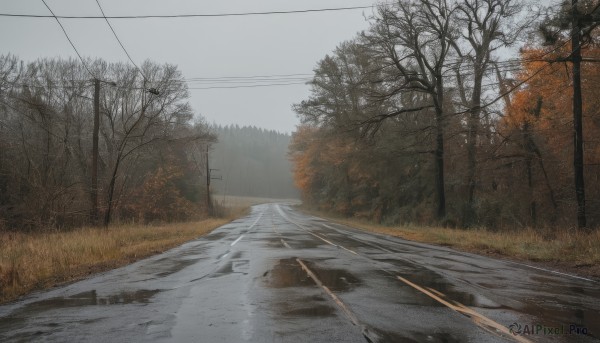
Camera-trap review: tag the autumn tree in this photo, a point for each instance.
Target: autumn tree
(575, 23)
(485, 26)
(538, 124)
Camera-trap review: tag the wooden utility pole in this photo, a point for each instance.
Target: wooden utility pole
(577, 116)
(94, 188)
(208, 202)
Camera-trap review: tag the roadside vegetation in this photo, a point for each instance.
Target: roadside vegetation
(68, 181)
(38, 260)
(58, 170)
(423, 118)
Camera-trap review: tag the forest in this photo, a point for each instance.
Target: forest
(457, 113)
(251, 162)
(141, 161)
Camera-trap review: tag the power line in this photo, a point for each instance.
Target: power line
(251, 86)
(249, 77)
(187, 15)
(229, 82)
(69, 39)
(118, 40)
(217, 86)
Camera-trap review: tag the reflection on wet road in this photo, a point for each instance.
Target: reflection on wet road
(281, 276)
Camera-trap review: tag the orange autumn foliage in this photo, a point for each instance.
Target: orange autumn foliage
(159, 198)
(552, 127)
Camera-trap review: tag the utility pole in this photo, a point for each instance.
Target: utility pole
(208, 202)
(94, 190)
(209, 177)
(95, 136)
(577, 116)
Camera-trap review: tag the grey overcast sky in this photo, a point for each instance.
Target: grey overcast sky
(202, 47)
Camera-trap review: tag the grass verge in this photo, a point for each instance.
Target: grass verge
(32, 261)
(571, 251)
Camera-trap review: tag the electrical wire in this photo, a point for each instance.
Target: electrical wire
(68, 38)
(118, 40)
(216, 86)
(253, 81)
(230, 82)
(251, 86)
(249, 77)
(188, 15)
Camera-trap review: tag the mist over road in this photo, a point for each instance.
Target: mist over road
(278, 275)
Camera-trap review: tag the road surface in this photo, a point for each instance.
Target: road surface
(278, 275)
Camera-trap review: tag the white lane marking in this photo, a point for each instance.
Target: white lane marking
(311, 233)
(554, 271)
(323, 239)
(335, 245)
(237, 240)
(249, 228)
(281, 212)
(256, 221)
(285, 244)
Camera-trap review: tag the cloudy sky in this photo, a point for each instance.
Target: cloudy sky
(210, 47)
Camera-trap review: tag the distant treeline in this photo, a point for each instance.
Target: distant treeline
(252, 162)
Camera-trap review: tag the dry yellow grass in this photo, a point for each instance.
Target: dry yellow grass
(39, 260)
(566, 249)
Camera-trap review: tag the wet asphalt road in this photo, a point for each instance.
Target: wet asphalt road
(281, 276)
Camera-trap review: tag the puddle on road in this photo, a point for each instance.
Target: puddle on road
(89, 298)
(337, 280)
(288, 273)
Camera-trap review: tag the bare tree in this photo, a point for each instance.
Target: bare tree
(412, 37)
(135, 118)
(46, 139)
(485, 26)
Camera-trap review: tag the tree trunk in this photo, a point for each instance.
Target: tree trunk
(111, 192)
(439, 150)
(472, 133)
